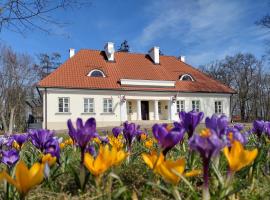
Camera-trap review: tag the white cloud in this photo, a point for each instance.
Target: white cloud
(205, 28)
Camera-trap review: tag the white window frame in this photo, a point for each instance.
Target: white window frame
(188, 75)
(88, 107)
(129, 107)
(180, 105)
(65, 104)
(94, 70)
(218, 108)
(107, 105)
(197, 106)
(159, 107)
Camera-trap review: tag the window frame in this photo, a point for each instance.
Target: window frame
(188, 75)
(180, 105)
(64, 104)
(159, 107)
(129, 107)
(107, 109)
(96, 70)
(217, 107)
(197, 108)
(88, 108)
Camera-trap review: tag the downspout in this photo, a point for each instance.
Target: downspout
(45, 110)
(230, 112)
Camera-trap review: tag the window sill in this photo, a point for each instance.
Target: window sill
(63, 113)
(107, 113)
(88, 113)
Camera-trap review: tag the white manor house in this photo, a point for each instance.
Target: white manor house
(117, 86)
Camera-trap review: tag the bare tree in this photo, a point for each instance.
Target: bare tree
(21, 15)
(242, 72)
(17, 75)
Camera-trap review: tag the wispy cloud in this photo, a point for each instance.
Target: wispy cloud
(204, 29)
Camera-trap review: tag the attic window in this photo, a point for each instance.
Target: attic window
(186, 77)
(96, 73)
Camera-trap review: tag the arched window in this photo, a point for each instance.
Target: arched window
(186, 77)
(96, 73)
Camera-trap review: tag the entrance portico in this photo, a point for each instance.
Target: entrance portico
(152, 109)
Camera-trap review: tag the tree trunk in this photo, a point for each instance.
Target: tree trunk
(4, 122)
(11, 121)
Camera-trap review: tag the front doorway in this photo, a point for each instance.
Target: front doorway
(145, 110)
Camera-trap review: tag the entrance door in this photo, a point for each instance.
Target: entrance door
(145, 110)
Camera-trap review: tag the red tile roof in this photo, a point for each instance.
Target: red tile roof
(73, 73)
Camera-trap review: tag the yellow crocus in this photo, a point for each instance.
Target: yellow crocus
(16, 145)
(26, 178)
(105, 159)
(168, 169)
(148, 143)
(116, 142)
(143, 136)
(238, 157)
(48, 158)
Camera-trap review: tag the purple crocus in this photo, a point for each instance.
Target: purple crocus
(218, 124)
(267, 129)
(190, 121)
(116, 131)
(83, 134)
(41, 137)
(20, 138)
(10, 157)
(208, 145)
(258, 127)
(130, 131)
(168, 138)
(52, 147)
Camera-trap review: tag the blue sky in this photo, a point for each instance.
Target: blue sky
(202, 30)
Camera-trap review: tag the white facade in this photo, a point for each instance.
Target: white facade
(138, 106)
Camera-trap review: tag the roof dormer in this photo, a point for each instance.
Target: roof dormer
(96, 73)
(186, 77)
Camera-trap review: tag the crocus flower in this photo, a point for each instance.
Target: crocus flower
(26, 178)
(84, 132)
(208, 145)
(258, 127)
(130, 131)
(105, 159)
(53, 147)
(190, 121)
(49, 159)
(20, 139)
(116, 131)
(170, 170)
(238, 157)
(267, 129)
(168, 138)
(10, 157)
(40, 138)
(116, 142)
(235, 134)
(218, 124)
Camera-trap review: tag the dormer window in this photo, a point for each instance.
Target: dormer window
(96, 73)
(186, 77)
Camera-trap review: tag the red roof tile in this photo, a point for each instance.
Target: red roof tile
(73, 73)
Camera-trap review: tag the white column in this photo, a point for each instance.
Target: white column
(172, 111)
(123, 111)
(156, 115)
(139, 112)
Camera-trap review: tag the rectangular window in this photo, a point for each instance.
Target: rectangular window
(129, 107)
(218, 107)
(107, 105)
(63, 104)
(159, 107)
(88, 105)
(196, 105)
(180, 106)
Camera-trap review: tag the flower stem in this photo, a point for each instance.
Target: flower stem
(176, 193)
(206, 194)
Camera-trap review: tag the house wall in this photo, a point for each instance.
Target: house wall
(57, 121)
